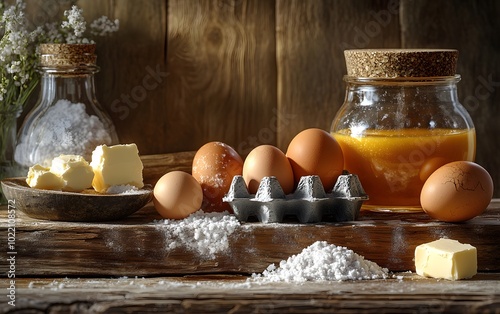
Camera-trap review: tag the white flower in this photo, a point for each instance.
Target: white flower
(19, 47)
(76, 22)
(104, 26)
(14, 67)
(51, 33)
(99, 27)
(16, 47)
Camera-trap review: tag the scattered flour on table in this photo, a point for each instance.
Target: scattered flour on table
(323, 262)
(206, 234)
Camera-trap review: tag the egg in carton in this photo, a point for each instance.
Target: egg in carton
(309, 203)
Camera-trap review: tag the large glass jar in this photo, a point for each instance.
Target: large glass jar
(401, 120)
(67, 118)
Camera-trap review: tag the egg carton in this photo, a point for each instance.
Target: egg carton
(309, 203)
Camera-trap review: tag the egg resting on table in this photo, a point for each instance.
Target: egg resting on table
(267, 161)
(315, 152)
(214, 166)
(177, 195)
(457, 191)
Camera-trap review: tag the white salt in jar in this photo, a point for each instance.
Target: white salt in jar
(67, 118)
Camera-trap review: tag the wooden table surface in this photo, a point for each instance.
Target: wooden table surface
(407, 293)
(65, 267)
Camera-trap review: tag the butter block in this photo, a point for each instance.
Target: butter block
(446, 259)
(116, 165)
(40, 177)
(74, 170)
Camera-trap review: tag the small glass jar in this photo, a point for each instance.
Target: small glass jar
(401, 120)
(67, 118)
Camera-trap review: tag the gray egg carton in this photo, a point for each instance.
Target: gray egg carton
(309, 203)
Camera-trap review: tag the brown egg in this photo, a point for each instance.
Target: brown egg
(316, 152)
(177, 195)
(430, 165)
(267, 161)
(214, 166)
(457, 191)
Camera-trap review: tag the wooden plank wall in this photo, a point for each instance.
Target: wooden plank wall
(184, 72)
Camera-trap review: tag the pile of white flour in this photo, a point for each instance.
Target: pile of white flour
(208, 234)
(323, 262)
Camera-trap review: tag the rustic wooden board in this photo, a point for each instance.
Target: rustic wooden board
(137, 245)
(225, 294)
(216, 62)
(156, 166)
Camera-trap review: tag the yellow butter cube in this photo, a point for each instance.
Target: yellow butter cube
(75, 172)
(116, 165)
(40, 177)
(446, 259)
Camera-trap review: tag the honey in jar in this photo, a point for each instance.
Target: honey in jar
(400, 121)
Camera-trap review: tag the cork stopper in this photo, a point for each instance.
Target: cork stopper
(391, 63)
(67, 55)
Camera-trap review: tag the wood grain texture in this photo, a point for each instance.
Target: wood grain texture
(311, 37)
(155, 166)
(471, 27)
(139, 245)
(234, 294)
(134, 72)
(222, 77)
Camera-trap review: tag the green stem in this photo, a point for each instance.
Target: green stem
(7, 122)
(10, 107)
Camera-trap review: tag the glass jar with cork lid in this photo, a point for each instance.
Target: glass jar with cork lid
(67, 118)
(401, 120)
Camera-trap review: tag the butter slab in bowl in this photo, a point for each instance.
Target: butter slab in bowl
(86, 206)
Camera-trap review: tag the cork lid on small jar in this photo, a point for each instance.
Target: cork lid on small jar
(67, 55)
(392, 63)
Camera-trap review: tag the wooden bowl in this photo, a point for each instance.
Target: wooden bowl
(86, 206)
